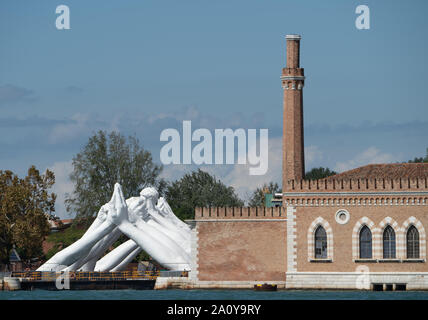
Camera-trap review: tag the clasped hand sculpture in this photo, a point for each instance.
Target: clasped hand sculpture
(147, 221)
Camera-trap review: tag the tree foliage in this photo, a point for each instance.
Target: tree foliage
(105, 160)
(63, 238)
(25, 205)
(257, 198)
(319, 173)
(199, 189)
(421, 159)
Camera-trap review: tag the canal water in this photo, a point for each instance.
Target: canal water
(210, 295)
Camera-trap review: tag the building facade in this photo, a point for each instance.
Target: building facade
(361, 229)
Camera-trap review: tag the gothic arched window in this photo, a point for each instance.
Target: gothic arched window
(365, 243)
(412, 243)
(389, 243)
(320, 243)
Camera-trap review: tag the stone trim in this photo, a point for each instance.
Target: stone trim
(335, 200)
(301, 78)
(311, 238)
(354, 280)
(194, 252)
(291, 239)
(339, 213)
(412, 221)
(364, 221)
(293, 37)
(399, 240)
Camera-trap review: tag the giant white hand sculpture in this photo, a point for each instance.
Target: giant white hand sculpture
(152, 227)
(159, 246)
(81, 247)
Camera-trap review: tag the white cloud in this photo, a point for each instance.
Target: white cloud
(312, 155)
(245, 184)
(237, 175)
(63, 132)
(368, 156)
(10, 93)
(62, 186)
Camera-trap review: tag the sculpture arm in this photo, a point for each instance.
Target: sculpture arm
(85, 263)
(114, 257)
(76, 250)
(118, 214)
(161, 253)
(122, 265)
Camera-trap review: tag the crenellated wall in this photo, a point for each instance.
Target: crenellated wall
(239, 213)
(241, 244)
(357, 185)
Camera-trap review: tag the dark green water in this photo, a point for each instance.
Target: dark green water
(209, 295)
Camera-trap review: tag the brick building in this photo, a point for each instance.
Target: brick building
(360, 229)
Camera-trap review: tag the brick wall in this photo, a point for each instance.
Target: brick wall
(247, 247)
(345, 236)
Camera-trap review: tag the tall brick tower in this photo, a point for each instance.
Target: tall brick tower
(293, 160)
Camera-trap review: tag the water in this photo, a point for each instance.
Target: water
(210, 295)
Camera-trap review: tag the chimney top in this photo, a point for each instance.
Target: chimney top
(293, 37)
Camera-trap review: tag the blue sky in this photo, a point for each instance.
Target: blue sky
(142, 66)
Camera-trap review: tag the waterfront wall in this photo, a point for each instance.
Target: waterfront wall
(354, 280)
(240, 250)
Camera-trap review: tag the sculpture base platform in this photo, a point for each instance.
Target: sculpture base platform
(143, 284)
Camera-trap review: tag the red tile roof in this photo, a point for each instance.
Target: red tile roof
(386, 171)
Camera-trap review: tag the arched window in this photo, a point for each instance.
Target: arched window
(412, 243)
(365, 243)
(320, 243)
(389, 243)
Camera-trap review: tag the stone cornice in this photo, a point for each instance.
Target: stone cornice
(293, 78)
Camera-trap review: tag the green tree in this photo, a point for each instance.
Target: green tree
(25, 205)
(199, 189)
(105, 160)
(257, 198)
(421, 159)
(319, 173)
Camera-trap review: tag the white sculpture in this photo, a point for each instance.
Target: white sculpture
(149, 223)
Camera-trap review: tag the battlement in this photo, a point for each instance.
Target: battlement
(357, 185)
(239, 213)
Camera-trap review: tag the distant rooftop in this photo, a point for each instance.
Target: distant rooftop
(385, 171)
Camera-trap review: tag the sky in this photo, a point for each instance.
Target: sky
(139, 67)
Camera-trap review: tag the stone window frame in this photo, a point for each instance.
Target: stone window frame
(365, 221)
(412, 221)
(389, 241)
(311, 240)
(399, 239)
(412, 243)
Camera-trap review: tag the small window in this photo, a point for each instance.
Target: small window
(320, 243)
(412, 243)
(365, 243)
(389, 243)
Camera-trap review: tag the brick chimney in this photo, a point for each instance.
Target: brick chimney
(293, 160)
